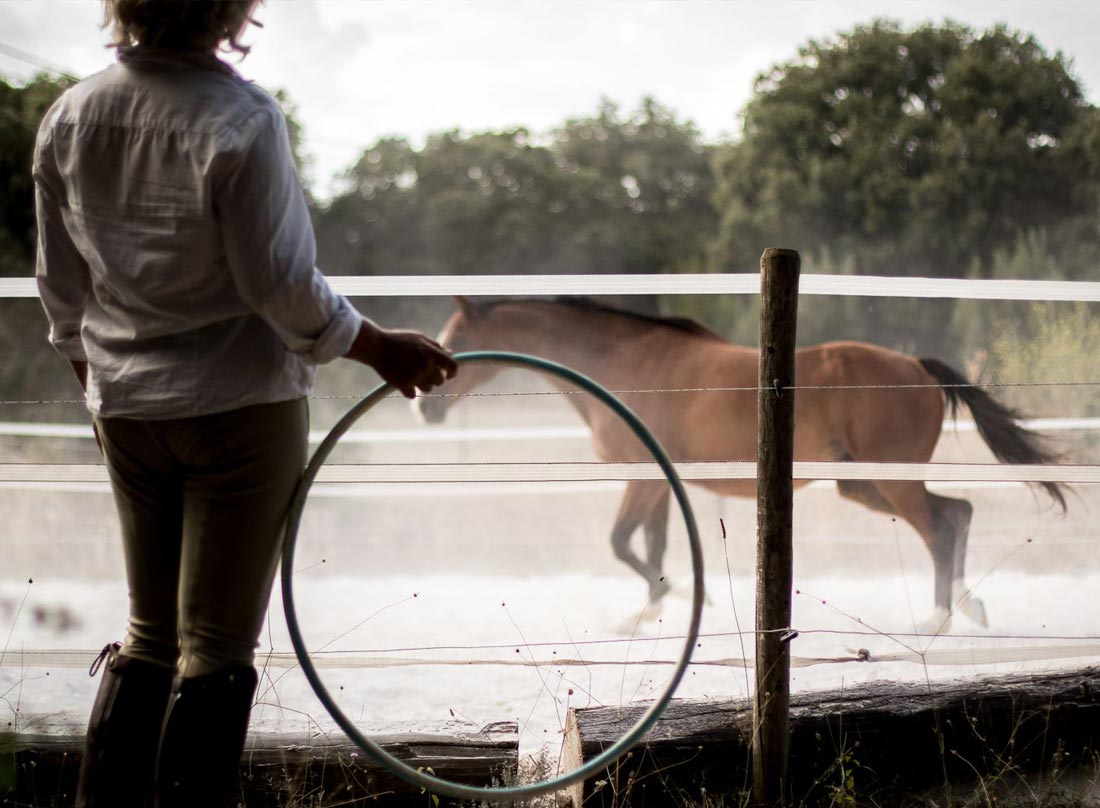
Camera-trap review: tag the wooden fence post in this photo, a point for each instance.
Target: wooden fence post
(779, 270)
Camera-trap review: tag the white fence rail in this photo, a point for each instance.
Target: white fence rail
(698, 284)
(602, 472)
(44, 429)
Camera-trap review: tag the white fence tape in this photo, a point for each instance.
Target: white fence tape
(412, 473)
(283, 660)
(687, 284)
(43, 429)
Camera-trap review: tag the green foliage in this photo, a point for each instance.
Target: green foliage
(1025, 343)
(21, 109)
(1054, 344)
(22, 322)
(930, 152)
(650, 180)
(602, 194)
(906, 152)
(7, 762)
(843, 791)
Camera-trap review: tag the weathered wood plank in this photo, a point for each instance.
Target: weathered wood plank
(38, 768)
(891, 738)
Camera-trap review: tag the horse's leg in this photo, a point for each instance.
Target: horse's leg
(656, 541)
(951, 529)
(942, 523)
(639, 502)
(957, 512)
(865, 493)
(912, 502)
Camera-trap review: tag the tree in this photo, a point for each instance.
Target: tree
(652, 179)
(26, 358)
(925, 152)
(603, 194)
(496, 203)
(373, 228)
(909, 152)
(21, 109)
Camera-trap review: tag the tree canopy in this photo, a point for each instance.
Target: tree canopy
(602, 194)
(21, 110)
(915, 152)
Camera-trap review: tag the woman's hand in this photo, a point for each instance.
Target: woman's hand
(408, 360)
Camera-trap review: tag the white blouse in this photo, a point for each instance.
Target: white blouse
(175, 250)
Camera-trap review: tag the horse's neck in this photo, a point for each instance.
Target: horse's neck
(576, 341)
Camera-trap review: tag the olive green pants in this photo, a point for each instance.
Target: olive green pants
(202, 503)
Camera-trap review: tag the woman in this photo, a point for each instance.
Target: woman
(176, 267)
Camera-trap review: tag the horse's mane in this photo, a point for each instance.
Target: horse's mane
(584, 304)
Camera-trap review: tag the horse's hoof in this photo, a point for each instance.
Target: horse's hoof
(652, 611)
(688, 594)
(974, 609)
(649, 614)
(939, 622)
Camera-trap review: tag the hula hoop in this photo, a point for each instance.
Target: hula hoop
(438, 785)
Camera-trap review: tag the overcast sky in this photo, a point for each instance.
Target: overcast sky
(361, 69)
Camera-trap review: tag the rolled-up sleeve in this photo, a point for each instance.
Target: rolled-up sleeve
(64, 282)
(270, 245)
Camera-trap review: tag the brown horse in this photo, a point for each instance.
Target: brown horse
(884, 406)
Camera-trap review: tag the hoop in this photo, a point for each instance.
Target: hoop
(439, 785)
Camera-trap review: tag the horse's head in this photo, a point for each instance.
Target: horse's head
(466, 330)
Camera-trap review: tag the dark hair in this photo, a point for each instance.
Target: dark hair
(200, 24)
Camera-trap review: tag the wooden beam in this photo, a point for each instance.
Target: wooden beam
(40, 768)
(892, 740)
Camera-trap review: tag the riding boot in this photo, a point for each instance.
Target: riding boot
(120, 748)
(203, 737)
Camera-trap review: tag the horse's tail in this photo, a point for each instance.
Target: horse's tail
(997, 424)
